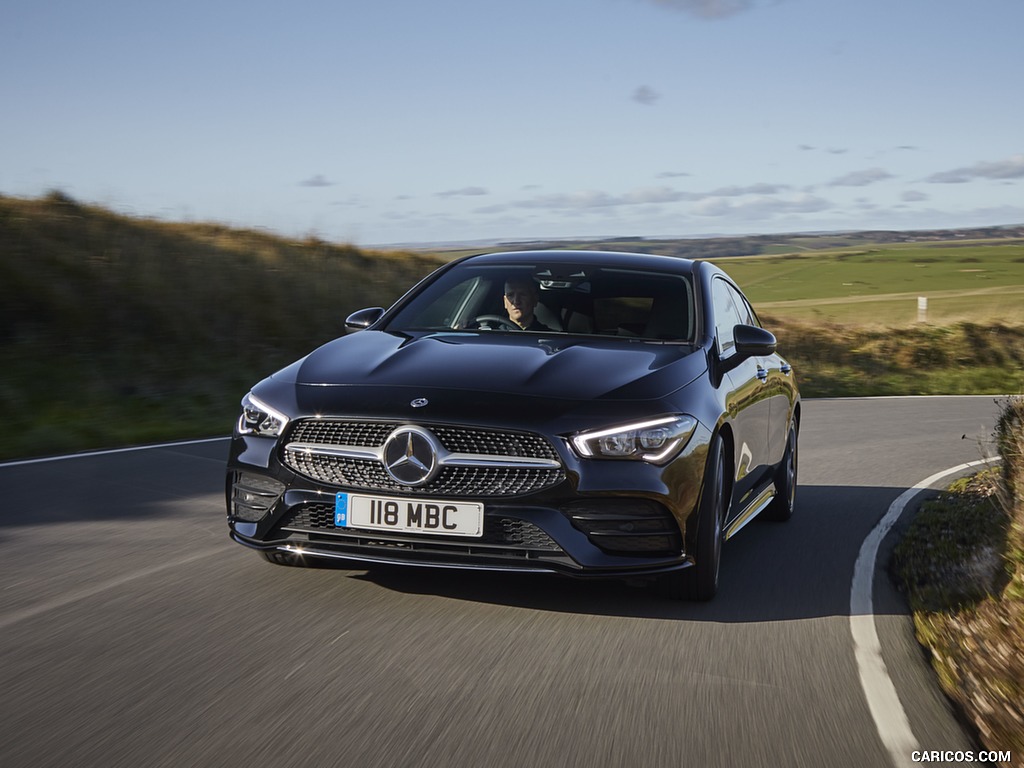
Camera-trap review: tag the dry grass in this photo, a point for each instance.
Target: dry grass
(962, 565)
(853, 361)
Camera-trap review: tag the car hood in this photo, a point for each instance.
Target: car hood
(561, 367)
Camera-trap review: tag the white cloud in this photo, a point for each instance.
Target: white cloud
(753, 189)
(861, 178)
(762, 207)
(464, 192)
(1011, 168)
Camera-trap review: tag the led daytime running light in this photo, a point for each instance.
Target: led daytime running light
(655, 440)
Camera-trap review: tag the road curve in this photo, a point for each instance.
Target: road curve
(133, 633)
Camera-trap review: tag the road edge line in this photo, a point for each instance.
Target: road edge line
(109, 451)
(886, 709)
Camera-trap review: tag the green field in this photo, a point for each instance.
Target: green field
(874, 285)
(979, 282)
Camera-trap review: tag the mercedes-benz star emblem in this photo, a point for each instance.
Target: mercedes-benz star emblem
(410, 455)
(419, 402)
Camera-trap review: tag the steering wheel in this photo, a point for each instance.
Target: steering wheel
(502, 323)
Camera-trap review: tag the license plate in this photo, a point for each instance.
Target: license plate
(448, 518)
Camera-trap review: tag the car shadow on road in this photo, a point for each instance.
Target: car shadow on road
(799, 569)
(136, 485)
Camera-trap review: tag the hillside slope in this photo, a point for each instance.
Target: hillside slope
(114, 329)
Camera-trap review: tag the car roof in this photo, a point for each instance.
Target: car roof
(602, 258)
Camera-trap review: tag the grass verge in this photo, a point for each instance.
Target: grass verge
(961, 565)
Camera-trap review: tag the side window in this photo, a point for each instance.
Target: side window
(744, 308)
(727, 315)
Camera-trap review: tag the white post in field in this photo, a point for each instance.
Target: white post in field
(922, 309)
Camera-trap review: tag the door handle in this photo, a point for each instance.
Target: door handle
(786, 368)
(762, 373)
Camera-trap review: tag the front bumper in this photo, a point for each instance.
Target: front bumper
(604, 519)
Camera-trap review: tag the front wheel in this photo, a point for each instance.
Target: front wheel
(700, 581)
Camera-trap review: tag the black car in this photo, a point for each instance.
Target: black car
(585, 413)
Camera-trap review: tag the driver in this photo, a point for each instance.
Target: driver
(521, 298)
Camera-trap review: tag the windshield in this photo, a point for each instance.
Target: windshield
(575, 299)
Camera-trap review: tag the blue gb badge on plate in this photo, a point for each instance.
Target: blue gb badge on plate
(341, 510)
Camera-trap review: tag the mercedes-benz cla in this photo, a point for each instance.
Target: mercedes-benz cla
(585, 413)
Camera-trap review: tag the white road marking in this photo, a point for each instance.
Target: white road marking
(883, 701)
(89, 454)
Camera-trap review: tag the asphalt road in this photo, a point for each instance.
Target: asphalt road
(133, 633)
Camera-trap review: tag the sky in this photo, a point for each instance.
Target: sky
(417, 121)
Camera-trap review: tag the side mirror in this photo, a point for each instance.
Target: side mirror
(363, 319)
(752, 341)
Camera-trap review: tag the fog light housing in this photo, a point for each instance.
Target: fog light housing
(253, 496)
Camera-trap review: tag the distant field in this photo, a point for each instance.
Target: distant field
(876, 285)
(970, 281)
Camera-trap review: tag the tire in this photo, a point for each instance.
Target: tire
(781, 507)
(700, 581)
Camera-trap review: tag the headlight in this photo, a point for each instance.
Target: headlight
(655, 441)
(258, 418)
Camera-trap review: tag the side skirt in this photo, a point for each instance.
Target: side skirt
(758, 505)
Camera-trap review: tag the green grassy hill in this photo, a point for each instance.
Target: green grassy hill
(117, 330)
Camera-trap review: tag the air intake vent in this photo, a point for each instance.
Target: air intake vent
(638, 527)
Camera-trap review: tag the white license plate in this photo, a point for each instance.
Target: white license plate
(448, 518)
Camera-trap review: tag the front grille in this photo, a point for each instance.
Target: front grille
(372, 434)
(627, 526)
(363, 472)
(483, 441)
(332, 432)
(503, 532)
(452, 481)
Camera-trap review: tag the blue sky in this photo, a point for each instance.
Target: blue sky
(407, 121)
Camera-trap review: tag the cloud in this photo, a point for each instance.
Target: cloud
(576, 200)
(646, 95)
(464, 192)
(762, 207)
(657, 195)
(830, 150)
(1012, 168)
(319, 180)
(672, 174)
(591, 199)
(861, 178)
(753, 189)
(708, 9)
(913, 196)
